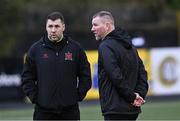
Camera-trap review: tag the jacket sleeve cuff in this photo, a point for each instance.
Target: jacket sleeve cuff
(131, 98)
(33, 98)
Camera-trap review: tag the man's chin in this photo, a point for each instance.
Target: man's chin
(97, 38)
(54, 39)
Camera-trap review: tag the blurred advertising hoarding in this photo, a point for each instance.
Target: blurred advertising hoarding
(162, 65)
(92, 58)
(10, 79)
(165, 71)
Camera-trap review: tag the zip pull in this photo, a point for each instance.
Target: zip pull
(57, 53)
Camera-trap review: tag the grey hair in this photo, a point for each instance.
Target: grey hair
(105, 14)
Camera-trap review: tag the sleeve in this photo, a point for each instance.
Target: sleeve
(84, 75)
(28, 77)
(142, 84)
(114, 72)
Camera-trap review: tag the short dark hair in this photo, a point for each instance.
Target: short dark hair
(55, 15)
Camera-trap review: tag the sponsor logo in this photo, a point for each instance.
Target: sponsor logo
(168, 71)
(10, 80)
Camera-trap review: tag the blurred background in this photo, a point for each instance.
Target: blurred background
(154, 26)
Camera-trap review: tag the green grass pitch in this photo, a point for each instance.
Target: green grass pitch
(166, 110)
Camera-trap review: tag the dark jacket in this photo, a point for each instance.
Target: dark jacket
(121, 73)
(56, 74)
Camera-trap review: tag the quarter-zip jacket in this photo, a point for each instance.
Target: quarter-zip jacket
(56, 74)
(121, 74)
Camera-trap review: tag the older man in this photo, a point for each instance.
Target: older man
(122, 76)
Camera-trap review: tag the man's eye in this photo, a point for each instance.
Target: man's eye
(57, 26)
(95, 25)
(50, 26)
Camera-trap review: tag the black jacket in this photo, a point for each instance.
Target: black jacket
(121, 73)
(56, 74)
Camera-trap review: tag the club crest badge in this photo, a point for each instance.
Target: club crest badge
(68, 56)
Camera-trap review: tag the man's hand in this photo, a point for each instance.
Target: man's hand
(138, 101)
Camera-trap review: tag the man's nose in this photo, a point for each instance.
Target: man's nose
(53, 29)
(92, 29)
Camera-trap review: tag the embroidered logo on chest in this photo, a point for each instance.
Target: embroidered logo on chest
(45, 56)
(68, 56)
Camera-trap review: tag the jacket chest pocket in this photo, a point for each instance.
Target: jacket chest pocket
(45, 60)
(65, 63)
(69, 65)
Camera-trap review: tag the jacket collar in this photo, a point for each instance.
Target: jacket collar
(49, 44)
(121, 36)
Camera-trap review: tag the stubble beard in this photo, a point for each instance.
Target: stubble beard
(54, 38)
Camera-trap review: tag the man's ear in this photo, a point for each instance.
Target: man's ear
(64, 27)
(108, 26)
